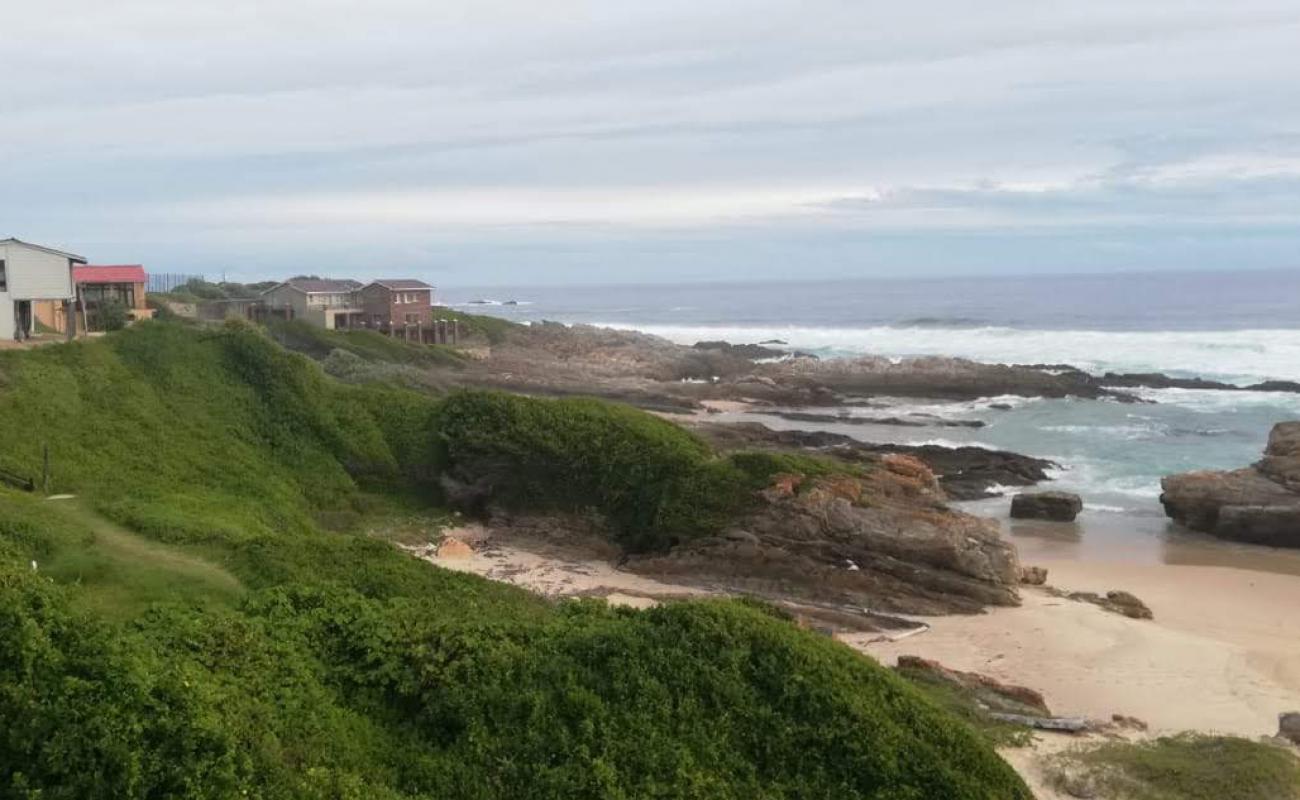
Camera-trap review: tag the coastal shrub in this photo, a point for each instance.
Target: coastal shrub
(1189, 766)
(190, 629)
(654, 481)
(372, 346)
(111, 316)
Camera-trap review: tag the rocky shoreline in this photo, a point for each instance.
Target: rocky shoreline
(1259, 504)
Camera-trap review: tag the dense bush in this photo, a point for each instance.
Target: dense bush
(111, 315)
(656, 483)
(187, 628)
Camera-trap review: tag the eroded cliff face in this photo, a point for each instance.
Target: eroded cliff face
(1259, 504)
(883, 541)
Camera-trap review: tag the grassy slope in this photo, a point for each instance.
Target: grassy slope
(203, 622)
(1185, 767)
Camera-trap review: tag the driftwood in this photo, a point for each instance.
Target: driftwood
(1065, 724)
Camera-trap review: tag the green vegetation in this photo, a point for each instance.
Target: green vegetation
(655, 482)
(111, 315)
(314, 341)
(1185, 767)
(969, 707)
(494, 329)
(206, 618)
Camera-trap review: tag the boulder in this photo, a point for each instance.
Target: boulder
(1033, 576)
(1115, 601)
(1259, 504)
(451, 547)
(883, 541)
(1058, 506)
(1288, 726)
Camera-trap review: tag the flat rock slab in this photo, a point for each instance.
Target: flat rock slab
(1057, 506)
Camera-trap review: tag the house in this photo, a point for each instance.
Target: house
(397, 303)
(32, 275)
(325, 302)
(124, 283)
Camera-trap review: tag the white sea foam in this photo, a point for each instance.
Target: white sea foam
(1236, 356)
(1213, 401)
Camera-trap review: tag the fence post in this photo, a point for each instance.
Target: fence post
(45, 467)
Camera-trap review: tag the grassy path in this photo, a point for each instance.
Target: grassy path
(120, 572)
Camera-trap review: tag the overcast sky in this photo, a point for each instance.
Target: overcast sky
(550, 142)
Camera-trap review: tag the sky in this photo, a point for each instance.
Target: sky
(523, 142)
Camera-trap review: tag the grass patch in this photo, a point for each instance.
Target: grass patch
(494, 329)
(1188, 766)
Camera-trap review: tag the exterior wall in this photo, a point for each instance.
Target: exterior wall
(384, 307)
(31, 274)
(6, 316)
(50, 314)
(36, 275)
(285, 297)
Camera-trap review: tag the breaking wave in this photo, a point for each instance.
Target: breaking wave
(1234, 356)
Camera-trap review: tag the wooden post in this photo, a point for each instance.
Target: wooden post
(45, 467)
(455, 331)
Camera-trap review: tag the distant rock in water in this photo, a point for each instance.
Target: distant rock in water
(750, 351)
(1259, 504)
(919, 421)
(1057, 506)
(774, 341)
(964, 473)
(1158, 380)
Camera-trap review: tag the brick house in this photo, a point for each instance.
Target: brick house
(396, 304)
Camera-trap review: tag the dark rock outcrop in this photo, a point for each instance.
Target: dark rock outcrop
(915, 421)
(1259, 504)
(941, 377)
(1057, 506)
(1116, 601)
(752, 352)
(884, 541)
(1158, 380)
(965, 473)
(1288, 726)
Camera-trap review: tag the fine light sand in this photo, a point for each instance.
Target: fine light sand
(548, 569)
(1222, 654)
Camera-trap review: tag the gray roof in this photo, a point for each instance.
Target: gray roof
(51, 250)
(319, 285)
(402, 283)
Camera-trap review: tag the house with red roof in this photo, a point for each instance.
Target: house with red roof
(97, 285)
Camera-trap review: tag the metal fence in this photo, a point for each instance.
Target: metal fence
(169, 281)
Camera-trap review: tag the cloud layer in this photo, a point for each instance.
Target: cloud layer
(549, 142)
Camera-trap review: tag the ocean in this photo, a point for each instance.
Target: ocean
(1237, 327)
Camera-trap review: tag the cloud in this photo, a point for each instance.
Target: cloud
(407, 130)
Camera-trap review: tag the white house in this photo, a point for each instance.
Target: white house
(30, 273)
(328, 303)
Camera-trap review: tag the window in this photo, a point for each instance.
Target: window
(4, 277)
(412, 319)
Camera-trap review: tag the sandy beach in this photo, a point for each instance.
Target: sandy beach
(1222, 654)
